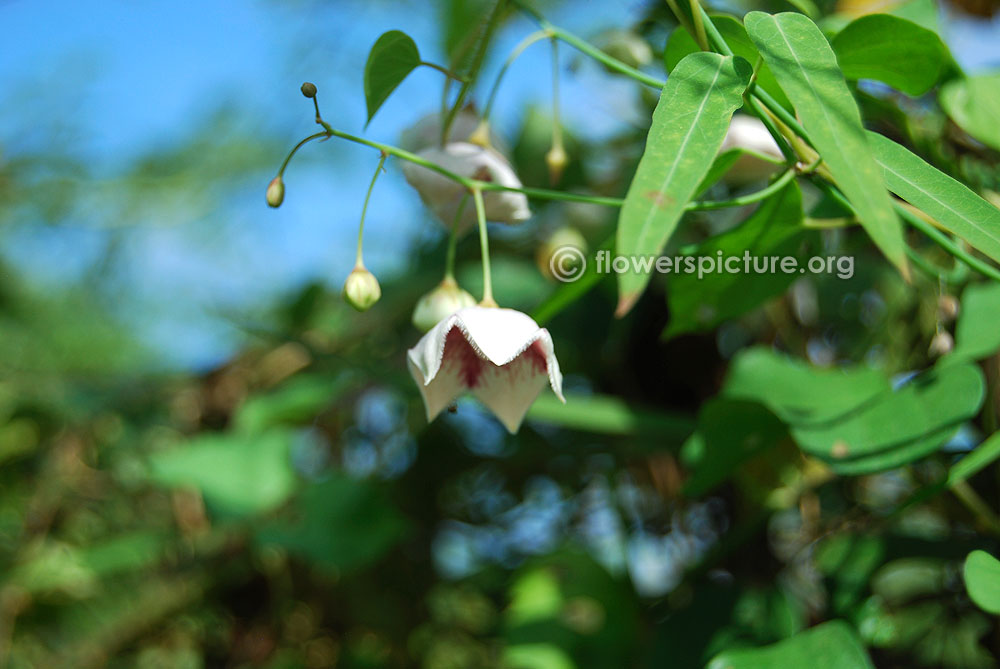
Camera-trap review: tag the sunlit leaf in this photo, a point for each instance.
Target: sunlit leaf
(982, 580)
(833, 644)
(236, 474)
(689, 124)
(681, 44)
(797, 392)
(892, 50)
(806, 68)
(945, 199)
(604, 414)
(928, 404)
(973, 104)
(393, 56)
(977, 335)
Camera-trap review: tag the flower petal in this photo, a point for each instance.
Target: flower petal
(510, 390)
(460, 368)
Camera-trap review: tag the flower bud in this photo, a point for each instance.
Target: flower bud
(275, 192)
(948, 308)
(481, 135)
(440, 303)
(941, 344)
(556, 161)
(361, 290)
(309, 89)
(568, 247)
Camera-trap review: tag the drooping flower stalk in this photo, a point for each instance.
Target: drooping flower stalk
(364, 210)
(484, 245)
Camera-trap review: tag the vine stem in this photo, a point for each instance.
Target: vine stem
(537, 193)
(536, 36)
(587, 48)
(364, 209)
(484, 244)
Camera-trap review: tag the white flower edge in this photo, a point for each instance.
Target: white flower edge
(507, 383)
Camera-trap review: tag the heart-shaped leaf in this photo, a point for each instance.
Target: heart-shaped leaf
(393, 56)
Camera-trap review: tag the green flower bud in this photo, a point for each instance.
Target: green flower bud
(361, 290)
(556, 161)
(562, 252)
(309, 89)
(275, 192)
(440, 303)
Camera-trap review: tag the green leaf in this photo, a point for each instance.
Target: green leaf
(773, 230)
(832, 645)
(681, 44)
(982, 580)
(604, 414)
(973, 103)
(393, 56)
(537, 656)
(929, 404)
(977, 333)
(730, 432)
(897, 456)
(298, 400)
(948, 201)
(892, 50)
(689, 124)
(341, 523)
(797, 392)
(806, 68)
(237, 474)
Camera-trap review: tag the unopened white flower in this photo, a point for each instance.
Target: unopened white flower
(447, 298)
(443, 196)
(501, 356)
(762, 155)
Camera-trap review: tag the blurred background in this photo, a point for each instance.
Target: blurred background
(207, 459)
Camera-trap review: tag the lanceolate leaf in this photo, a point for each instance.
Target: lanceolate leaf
(891, 50)
(689, 124)
(806, 68)
(948, 201)
(681, 44)
(393, 56)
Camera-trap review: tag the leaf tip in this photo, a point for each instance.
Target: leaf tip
(625, 304)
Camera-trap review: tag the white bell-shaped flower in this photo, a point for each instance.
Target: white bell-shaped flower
(501, 356)
(443, 196)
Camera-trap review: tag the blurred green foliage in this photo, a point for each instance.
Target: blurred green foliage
(791, 480)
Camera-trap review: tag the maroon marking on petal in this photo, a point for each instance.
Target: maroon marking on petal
(536, 356)
(458, 351)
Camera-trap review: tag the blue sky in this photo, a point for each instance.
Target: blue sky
(132, 77)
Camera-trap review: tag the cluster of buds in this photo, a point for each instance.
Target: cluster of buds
(501, 356)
